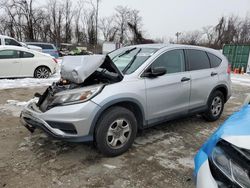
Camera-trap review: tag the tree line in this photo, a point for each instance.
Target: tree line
(68, 22)
(79, 22)
(229, 30)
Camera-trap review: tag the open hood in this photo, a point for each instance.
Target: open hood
(77, 69)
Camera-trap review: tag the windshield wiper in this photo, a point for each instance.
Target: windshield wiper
(124, 53)
(131, 62)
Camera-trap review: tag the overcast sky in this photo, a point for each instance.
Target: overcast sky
(163, 18)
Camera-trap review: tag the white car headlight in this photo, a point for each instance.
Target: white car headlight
(75, 95)
(230, 168)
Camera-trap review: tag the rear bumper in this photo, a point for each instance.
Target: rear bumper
(70, 123)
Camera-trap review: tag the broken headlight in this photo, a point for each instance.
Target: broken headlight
(75, 95)
(234, 166)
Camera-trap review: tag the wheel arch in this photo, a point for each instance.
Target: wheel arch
(128, 103)
(222, 88)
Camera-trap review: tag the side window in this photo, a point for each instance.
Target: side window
(9, 54)
(198, 60)
(214, 60)
(27, 55)
(173, 61)
(11, 42)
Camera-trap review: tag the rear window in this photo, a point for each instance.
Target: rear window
(44, 46)
(214, 60)
(27, 55)
(198, 60)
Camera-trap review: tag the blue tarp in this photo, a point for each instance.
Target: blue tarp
(236, 125)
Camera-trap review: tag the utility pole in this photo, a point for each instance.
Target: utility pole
(177, 36)
(96, 21)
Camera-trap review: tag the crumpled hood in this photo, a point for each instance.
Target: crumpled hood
(77, 68)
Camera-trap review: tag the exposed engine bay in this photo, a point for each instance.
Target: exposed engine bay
(74, 73)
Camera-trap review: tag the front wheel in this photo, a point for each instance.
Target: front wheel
(215, 106)
(42, 72)
(116, 131)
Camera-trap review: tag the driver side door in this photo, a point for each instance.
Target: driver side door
(169, 94)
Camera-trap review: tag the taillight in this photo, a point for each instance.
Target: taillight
(229, 69)
(55, 60)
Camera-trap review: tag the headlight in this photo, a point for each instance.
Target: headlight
(235, 172)
(75, 95)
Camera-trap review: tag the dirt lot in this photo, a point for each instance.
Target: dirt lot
(162, 156)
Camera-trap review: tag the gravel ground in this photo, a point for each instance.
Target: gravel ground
(161, 156)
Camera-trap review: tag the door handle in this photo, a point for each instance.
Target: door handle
(16, 62)
(184, 79)
(214, 73)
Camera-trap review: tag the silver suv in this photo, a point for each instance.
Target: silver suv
(131, 88)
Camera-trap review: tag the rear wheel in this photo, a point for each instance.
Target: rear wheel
(116, 131)
(42, 72)
(215, 106)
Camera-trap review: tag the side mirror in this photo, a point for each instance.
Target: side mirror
(155, 72)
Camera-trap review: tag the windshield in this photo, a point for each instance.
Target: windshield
(128, 60)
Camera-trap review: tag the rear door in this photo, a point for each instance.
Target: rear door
(168, 94)
(10, 63)
(203, 77)
(28, 64)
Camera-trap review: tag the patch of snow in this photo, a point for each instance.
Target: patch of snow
(109, 166)
(207, 132)
(186, 162)
(165, 161)
(151, 137)
(241, 79)
(17, 103)
(27, 82)
(13, 107)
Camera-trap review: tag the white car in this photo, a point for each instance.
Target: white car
(22, 62)
(6, 40)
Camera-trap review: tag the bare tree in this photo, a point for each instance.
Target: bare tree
(79, 30)
(108, 28)
(55, 17)
(244, 33)
(122, 18)
(68, 14)
(209, 34)
(192, 38)
(25, 8)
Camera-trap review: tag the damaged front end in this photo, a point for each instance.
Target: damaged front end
(82, 78)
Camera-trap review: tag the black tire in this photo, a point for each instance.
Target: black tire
(108, 123)
(42, 72)
(214, 112)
